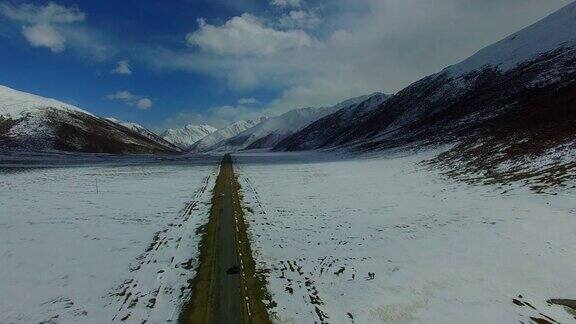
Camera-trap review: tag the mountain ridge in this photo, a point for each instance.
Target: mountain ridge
(222, 134)
(270, 131)
(498, 117)
(34, 123)
(188, 135)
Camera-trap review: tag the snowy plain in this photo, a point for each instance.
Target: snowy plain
(100, 243)
(442, 251)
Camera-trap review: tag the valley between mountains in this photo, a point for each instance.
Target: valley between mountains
(450, 201)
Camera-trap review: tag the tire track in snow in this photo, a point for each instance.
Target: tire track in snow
(161, 276)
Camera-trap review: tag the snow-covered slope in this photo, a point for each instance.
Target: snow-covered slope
(272, 130)
(16, 104)
(30, 122)
(330, 125)
(222, 134)
(550, 33)
(188, 135)
(135, 127)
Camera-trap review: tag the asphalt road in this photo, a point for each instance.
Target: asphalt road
(227, 298)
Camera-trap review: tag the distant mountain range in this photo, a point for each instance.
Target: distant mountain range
(188, 135)
(271, 131)
(327, 129)
(145, 132)
(223, 134)
(508, 104)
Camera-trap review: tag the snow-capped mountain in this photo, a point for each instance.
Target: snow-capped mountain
(549, 34)
(326, 128)
(506, 105)
(144, 132)
(16, 104)
(272, 130)
(31, 122)
(220, 135)
(188, 135)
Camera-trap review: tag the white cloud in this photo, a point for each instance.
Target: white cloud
(287, 3)
(144, 103)
(247, 101)
(44, 36)
(121, 95)
(88, 42)
(122, 67)
(368, 45)
(131, 99)
(299, 19)
(224, 115)
(42, 25)
(247, 35)
(361, 46)
(38, 14)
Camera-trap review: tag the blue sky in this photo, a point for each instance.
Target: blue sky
(169, 63)
(78, 77)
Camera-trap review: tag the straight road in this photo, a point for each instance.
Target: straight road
(226, 288)
(227, 305)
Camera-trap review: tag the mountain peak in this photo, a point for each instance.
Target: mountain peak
(224, 133)
(553, 32)
(15, 103)
(187, 135)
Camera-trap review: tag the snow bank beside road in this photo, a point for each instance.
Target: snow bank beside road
(97, 244)
(441, 251)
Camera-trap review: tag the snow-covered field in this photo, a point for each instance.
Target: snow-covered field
(97, 244)
(442, 251)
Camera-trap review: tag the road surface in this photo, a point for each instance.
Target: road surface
(227, 288)
(227, 297)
